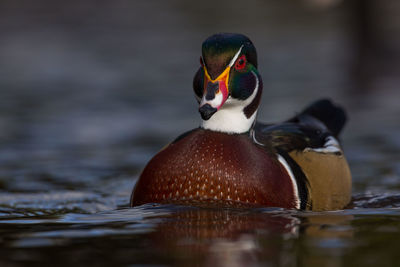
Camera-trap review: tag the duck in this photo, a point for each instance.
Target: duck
(232, 160)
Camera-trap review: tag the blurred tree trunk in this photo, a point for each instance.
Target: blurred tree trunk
(365, 41)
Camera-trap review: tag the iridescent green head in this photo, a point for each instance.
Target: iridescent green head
(227, 85)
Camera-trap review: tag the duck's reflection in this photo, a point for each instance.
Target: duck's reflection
(220, 237)
(198, 224)
(226, 237)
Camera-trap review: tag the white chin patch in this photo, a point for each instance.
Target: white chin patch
(215, 102)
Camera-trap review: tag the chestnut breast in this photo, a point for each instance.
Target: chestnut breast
(206, 167)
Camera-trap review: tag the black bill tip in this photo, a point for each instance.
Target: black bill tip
(206, 111)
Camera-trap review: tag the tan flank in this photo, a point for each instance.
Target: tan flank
(329, 179)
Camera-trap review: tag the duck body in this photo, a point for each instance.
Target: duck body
(232, 160)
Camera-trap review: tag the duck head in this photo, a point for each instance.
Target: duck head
(227, 85)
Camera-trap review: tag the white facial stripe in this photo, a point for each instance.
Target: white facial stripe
(253, 95)
(235, 57)
(216, 102)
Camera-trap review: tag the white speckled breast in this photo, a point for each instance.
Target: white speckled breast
(207, 167)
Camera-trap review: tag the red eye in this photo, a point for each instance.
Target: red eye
(201, 62)
(240, 63)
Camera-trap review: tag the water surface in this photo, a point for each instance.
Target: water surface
(88, 95)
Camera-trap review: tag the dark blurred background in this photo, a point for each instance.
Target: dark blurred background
(89, 90)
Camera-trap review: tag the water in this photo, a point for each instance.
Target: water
(89, 95)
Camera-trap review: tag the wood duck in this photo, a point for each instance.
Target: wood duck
(233, 161)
